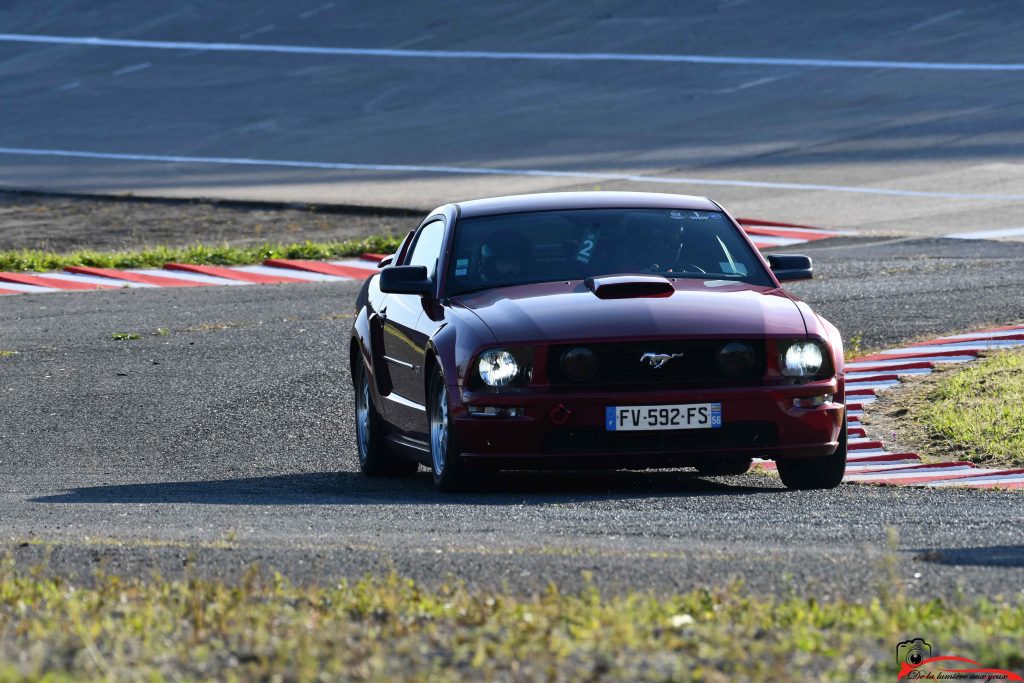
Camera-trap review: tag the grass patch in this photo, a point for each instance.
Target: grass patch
(978, 409)
(125, 336)
(394, 629)
(200, 254)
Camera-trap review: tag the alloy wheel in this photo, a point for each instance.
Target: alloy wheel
(439, 428)
(363, 418)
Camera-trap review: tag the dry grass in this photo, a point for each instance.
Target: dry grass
(391, 628)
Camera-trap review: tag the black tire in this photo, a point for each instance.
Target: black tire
(723, 468)
(804, 474)
(449, 470)
(375, 458)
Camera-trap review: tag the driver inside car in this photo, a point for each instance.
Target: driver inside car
(651, 244)
(504, 256)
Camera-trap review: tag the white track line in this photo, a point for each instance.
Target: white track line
(997, 334)
(501, 55)
(188, 277)
(795, 231)
(867, 455)
(920, 473)
(368, 266)
(90, 279)
(524, 172)
(772, 241)
(28, 289)
(132, 69)
(971, 345)
(977, 481)
(881, 466)
(861, 453)
(903, 361)
(935, 20)
(291, 272)
(986, 234)
(880, 384)
(854, 376)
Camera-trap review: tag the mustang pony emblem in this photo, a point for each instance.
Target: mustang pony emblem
(658, 360)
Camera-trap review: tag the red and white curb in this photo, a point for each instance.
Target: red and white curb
(765, 235)
(770, 234)
(271, 271)
(868, 462)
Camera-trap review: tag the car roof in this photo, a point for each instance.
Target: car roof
(554, 201)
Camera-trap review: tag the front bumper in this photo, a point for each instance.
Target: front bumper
(568, 429)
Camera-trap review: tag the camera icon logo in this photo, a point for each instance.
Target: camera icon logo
(913, 652)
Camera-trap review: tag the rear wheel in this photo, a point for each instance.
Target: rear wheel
(816, 473)
(721, 468)
(375, 458)
(448, 468)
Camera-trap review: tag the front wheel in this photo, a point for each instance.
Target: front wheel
(448, 468)
(816, 473)
(375, 458)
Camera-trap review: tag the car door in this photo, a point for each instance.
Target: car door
(404, 344)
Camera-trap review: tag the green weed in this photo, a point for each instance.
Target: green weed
(200, 254)
(979, 409)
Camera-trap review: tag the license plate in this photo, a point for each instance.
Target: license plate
(646, 418)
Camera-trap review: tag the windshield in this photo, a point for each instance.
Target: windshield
(545, 246)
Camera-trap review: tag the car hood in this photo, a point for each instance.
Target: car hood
(570, 311)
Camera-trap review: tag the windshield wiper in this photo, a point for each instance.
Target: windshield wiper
(472, 290)
(703, 276)
(499, 285)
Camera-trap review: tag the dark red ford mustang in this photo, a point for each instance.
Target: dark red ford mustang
(593, 330)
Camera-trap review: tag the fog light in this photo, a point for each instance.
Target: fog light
(812, 401)
(736, 359)
(579, 363)
(495, 411)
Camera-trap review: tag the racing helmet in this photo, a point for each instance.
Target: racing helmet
(503, 254)
(652, 239)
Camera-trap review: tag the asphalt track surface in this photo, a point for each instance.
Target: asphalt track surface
(814, 135)
(229, 440)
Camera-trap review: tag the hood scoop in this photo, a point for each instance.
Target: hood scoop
(629, 286)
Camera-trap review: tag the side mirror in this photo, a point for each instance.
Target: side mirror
(406, 280)
(386, 261)
(788, 267)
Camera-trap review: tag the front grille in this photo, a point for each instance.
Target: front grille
(735, 435)
(621, 367)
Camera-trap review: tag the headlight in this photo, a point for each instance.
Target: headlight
(736, 359)
(801, 359)
(502, 367)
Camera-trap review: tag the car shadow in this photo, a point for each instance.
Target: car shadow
(983, 556)
(353, 488)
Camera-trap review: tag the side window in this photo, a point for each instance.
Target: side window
(428, 247)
